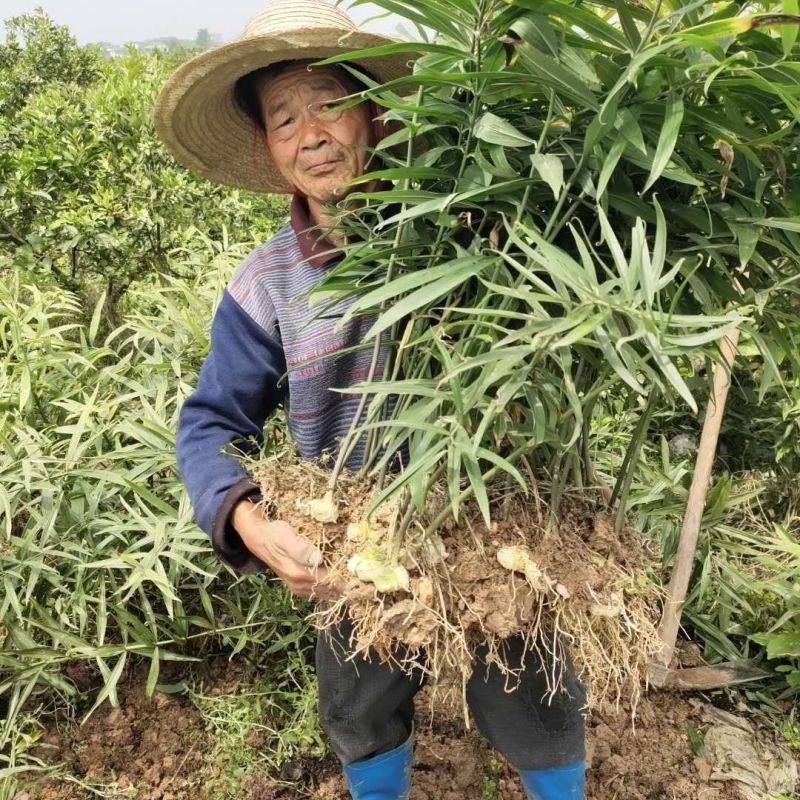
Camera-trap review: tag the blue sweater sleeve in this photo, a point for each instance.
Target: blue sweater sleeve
(237, 389)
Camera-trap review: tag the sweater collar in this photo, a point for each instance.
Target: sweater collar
(315, 248)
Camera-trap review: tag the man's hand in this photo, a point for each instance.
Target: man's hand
(290, 556)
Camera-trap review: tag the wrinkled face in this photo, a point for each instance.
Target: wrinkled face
(312, 145)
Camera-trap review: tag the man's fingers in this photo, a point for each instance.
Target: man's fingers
(293, 558)
(299, 549)
(301, 580)
(308, 585)
(302, 552)
(318, 587)
(294, 572)
(301, 589)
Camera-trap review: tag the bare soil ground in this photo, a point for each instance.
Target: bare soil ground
(160, 750)
(654, 761)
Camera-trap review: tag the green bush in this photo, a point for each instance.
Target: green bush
(112, 259)
(605, 192)
(89, 197)
(36, 53)
(99, 557)
(744, 601)
(603, 196)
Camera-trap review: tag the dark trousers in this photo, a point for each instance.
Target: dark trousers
(367, 708)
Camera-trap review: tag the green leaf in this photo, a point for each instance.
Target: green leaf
(110, 680)
(406, 283)
(153, 672)
(578, 16)
(616, 362)
(151, 498)
(80, 428)
(628, 23)
(692, 340)
(620, 262)
(424, 464)
(397, 174)
(495, 130)
(789, 32)
(610, 164)
(672, 172)
(747, 240)
(478, 484)
(416, 387)
(670, 371)
(96, 317)
(548, 71)
(782, 223)
(780, 644)
(395, 49)
(551, 170)
(24, 388)
(555, 260)
(460, 271)
(581, 330)
(505, 465)
(696, 741)
(653, 276)
(717, 29)
(673, 117)
(736, 26)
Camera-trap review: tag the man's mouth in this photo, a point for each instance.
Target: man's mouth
(323, 166)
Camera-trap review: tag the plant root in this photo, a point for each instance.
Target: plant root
(586, 589)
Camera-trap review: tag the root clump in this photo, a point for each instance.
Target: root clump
(431, 601)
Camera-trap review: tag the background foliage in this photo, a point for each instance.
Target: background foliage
(88, 196)
(112, 259)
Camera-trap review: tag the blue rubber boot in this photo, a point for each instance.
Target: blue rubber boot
(383, 777)
(561, 783)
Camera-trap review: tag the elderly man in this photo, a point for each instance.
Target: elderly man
(254, 114)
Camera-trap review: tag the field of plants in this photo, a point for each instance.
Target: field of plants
(605, 190)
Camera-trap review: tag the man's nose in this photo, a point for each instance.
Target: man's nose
(313, 135)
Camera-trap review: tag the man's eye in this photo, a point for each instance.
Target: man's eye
(285, 122)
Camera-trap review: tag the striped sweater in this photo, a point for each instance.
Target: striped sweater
(266, 349)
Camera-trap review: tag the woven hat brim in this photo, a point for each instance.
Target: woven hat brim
(198, 119)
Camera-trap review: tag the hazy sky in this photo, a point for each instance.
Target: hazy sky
(120, 22)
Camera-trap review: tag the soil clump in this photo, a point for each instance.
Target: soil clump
(430, 600)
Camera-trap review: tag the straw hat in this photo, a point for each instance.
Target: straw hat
(198, 118)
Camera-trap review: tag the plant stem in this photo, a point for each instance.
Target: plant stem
(623, 485)
(418, 370)
(351, 438)
(437, 521)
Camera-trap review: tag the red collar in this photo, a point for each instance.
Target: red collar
(315, 248)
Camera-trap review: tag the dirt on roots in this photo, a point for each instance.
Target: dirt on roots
(580, 586)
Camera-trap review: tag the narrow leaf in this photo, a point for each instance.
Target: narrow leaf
(673, 117)
(551, 170)
(495, 130)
